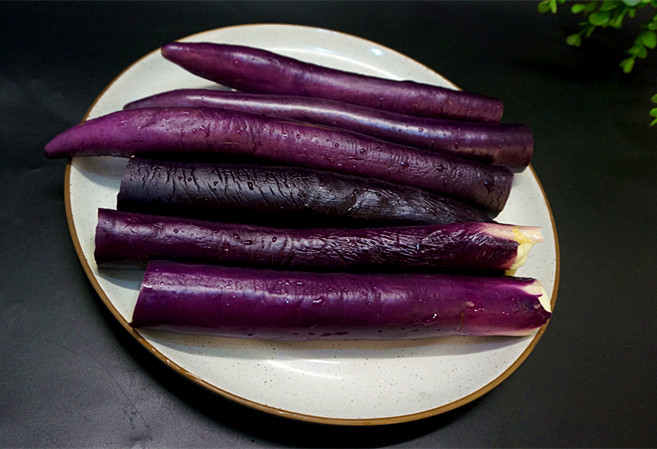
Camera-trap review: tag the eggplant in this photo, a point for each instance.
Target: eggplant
(257, 70)
(283, 305)
(132, 239)
(280, 195)
(218, 131)
(507, 144)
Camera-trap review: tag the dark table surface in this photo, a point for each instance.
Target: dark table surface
(71, 376)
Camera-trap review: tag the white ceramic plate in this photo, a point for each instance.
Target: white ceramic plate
(354, 383)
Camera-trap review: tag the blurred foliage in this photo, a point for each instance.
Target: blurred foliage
(610, 13)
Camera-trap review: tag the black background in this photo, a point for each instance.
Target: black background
(70, 376)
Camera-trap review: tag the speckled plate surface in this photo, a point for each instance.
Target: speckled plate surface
(352, 383)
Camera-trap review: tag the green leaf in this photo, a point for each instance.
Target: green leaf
(600, 18)
(652, 24)
(653, 112)
(553, 7)
(627, 64)
(609, 5)
(632, 3)
(638, 51)
(649, 38)
(574, 39)
(592, 6)
(617, 21)
(635, 50)
(544, 6)
(654, 98)
(577, 8)
(549, 5)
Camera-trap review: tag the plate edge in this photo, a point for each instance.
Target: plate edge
(262, 407)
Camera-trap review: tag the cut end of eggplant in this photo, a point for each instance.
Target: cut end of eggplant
(525, 236)
(537, 289)
(534, 289)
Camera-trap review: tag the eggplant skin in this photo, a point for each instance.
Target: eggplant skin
(132, 239)
(272, 304)
(507, 144)
(280, 195)
(204, 131)
(257, 70)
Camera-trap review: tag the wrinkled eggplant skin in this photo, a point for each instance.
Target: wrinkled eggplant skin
(506, 144)
(256, 70)
(269, 304)
(280, 195)
(132, 239)
(220, 131)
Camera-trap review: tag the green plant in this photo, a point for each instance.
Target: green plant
(610, 13)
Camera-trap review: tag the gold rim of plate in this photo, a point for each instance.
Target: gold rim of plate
(269, 409)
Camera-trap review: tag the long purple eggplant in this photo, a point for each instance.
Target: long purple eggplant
(257, 70)
(506, 144)
(269, 304)
(280, 195)
(132, 239)
(219, 131)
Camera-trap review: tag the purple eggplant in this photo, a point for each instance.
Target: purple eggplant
(280, 195)
(510, 145)
(271, 304)
(132, 239)
(256, 70)
(223, 132)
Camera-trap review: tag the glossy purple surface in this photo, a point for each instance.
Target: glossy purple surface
(507, 144)
(248, 303)
(218, 131)
(256, 70)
